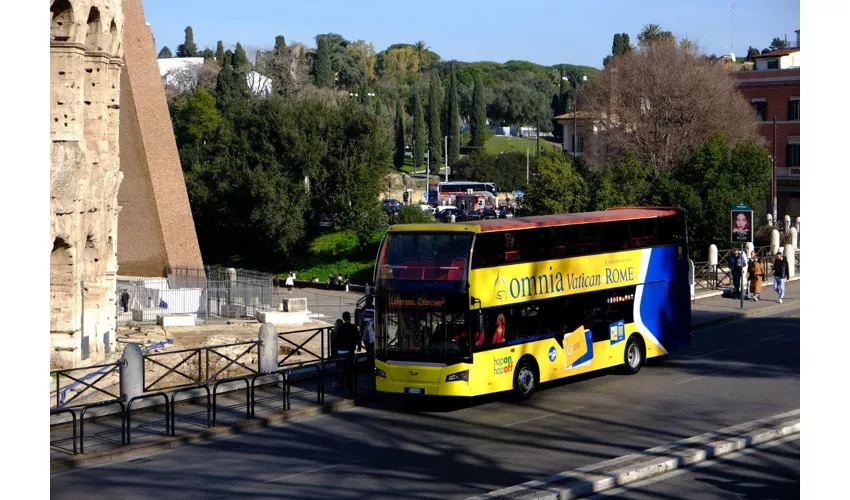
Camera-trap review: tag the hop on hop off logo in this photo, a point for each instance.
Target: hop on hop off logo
(503, 365)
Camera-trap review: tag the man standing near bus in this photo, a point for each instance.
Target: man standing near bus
(349, 340)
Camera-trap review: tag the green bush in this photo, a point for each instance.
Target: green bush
(410, 214)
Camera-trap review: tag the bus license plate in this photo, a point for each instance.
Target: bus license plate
(414, 390)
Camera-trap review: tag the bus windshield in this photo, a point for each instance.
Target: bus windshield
(418, 326)
(424, 257)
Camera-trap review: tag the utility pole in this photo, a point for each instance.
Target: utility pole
(773, 170)
(447, 157)
(527, 170)
(428, 176)
(538, 134)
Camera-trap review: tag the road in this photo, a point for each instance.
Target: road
(731, 374)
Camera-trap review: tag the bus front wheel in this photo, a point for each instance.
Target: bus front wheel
(633, 358)
(525, 380)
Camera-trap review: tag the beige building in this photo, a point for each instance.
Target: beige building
(85, 70)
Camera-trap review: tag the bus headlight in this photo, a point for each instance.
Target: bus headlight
(380, 373)
(464, 375)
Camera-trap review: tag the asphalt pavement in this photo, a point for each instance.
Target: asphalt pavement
(732, 373)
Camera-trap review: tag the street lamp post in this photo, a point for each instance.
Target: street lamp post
(572, 77)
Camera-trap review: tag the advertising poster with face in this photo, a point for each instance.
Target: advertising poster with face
(742, 226)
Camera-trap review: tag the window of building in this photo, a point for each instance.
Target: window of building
(794, 108)
(773, 64)
(760, 107)
(792, 155)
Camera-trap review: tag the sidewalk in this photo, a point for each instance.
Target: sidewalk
(103, 435)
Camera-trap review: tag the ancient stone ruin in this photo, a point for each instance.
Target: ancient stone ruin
(85, 71)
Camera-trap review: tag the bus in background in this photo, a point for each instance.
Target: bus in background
(503, 305)
(483, 193)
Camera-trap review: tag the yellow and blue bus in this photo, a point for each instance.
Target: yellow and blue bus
(506, 304)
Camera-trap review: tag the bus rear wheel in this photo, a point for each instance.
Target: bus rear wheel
(525, 380)
(633, 358)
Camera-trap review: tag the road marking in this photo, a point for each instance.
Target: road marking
(545, 416)
(689, 380)
(696, 467)
(774, 337)
(289, 476)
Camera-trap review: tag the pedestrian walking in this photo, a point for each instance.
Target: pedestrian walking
(290, 282)
(349, 340)
(780, 274)
(736, 265)
(750, 263)
(755, 273)
(125, 300)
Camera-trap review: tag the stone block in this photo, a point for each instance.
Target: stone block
(297, 304)
(138, 314)
(283, 318)
(175, 320)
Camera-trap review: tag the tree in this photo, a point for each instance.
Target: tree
(364, 54)
(400, 65)
(188, 47)
(323, 74)
(398, 159)
(207, 54)
(752, 52)
(453, 119)
(219, 52)
(555, 186)
(778, 44)
(624, 184)
(197, 119)
(435, 107)
(240, 59)
(165, 53)
(479, 115)
(710, 182)
(420, 135)
(652, 33)
(410, 214)
(279, 43)
(661, 103)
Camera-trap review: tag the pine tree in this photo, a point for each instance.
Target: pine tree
(453, 119)
(207, 53)
(323, 75)
(165, 53)
(479, 114)
(279, 44)
(435, 107)
(420, 136)
(398, 158)
(219, 52)
(188, 47)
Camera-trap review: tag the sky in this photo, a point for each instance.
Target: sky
(543, 31)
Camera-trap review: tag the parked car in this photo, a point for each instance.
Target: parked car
(468, 215)
(490, 213)
(427, 209)
(392, 206)
(445, 214)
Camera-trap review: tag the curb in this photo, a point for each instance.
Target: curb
(628, 469)
(741, 316)
(245, 426)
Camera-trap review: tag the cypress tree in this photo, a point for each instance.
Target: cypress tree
(435, 113)
(188, 47)
(420, 135)
(454, 119)
(398, 158)
(224, 83)
(219, 53)
(323, 75)
(279, 44)
(240, 58)
(165, 53)
(479, 114)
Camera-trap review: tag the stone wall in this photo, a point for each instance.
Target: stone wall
(85, 67)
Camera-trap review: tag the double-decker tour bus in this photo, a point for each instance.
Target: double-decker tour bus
(505, 304)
